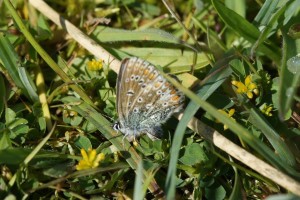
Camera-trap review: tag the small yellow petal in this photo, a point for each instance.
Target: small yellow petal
(249, 95)
(82, 165)
(241, 88)
(252, 86)
(248, 80)
(234, 83)
(92, 155)
(84, 155)
(90, 159)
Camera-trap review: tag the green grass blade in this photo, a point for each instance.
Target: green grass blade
(106, 34)
(239, 6)
(43, 53)
(176, 60)
(266, 11)
(138, 183)
(289, 81)
(269, 26)
(12, 64)
(206, 90)
(237, 187)
(281, 148)
(3, 96)
(245, 29)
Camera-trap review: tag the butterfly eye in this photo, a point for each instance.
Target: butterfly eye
(116, 126)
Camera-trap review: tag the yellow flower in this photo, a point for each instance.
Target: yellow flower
(247, 88)
(90, 159)
(229, 114)
(267, 109)
(94, 65)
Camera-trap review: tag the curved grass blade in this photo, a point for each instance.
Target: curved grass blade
(3, 96)
(107, 34)
(265, 13)
(245, 29)
(43, 53)
(175, 60)
(281, 148)
(14, 67)
(238, 6)
(270, 26)
(138, 183)
(289, 81)
(219, 75)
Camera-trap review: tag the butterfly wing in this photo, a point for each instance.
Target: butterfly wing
(145, 99)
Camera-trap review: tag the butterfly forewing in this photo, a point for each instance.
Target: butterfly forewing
(144, 98)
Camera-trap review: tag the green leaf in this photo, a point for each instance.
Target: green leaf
(13, 156)
(215, 192)
(5, 141)
(17, 122)
(10, 115)
(44, 31)
(194, 154)
(83, 142)
(20, 129)
(59, 169)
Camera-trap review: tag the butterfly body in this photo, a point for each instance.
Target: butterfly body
(145, 99)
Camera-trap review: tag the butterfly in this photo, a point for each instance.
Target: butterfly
(145, 99)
